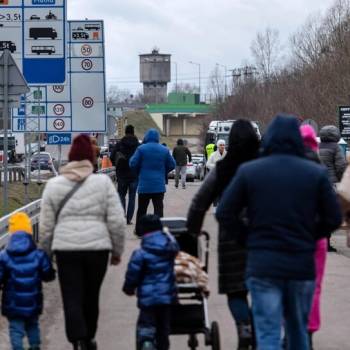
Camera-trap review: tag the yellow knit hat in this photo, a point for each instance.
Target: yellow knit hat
(20, 222)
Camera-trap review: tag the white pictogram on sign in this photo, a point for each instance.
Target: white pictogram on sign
(58, 88)
(86, 50)
(58, 109)
(88, 102)
(58, 124)
(87, 64)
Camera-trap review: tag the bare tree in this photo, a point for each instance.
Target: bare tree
(266, 51)
(116, 95)
(216, 85)
(185, 88)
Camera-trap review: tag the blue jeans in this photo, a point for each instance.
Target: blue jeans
(19, 328)
(125, 186)
(279, 302)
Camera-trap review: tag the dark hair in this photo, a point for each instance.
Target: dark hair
(243, 146)
(180, 142)
(148, 223)
(129, 130)
(82, 149)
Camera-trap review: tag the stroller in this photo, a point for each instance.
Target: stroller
(190, 315)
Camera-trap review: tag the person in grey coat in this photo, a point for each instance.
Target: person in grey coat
(332, 157)
(243, 146)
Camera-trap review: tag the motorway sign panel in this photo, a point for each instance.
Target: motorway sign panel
(35, 33)
(80, 105)
(344, 122)
(59, 139)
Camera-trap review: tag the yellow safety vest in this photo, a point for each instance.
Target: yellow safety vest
(210, 149)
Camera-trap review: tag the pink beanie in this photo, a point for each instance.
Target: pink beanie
(309, 137)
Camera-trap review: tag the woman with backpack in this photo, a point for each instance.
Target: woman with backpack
(82, 222)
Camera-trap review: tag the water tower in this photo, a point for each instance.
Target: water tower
(155, 74)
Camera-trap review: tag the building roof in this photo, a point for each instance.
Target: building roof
(178, 108)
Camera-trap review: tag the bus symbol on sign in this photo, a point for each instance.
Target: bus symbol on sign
(58, 124)
(58, 88)
(58, 109)
(87, 64)
(86, 50)
(88, 102)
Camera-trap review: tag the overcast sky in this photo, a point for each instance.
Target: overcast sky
(203, 31)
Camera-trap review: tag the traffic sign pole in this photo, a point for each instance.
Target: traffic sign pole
(5, 118)
(39, 166)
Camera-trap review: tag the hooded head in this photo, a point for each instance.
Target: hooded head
(309, 137)
(180, 142)
(129, 130)
(149, 223)
(330, 133)
(20, 222)
(152, 135)
(82, 149)
(283, 137)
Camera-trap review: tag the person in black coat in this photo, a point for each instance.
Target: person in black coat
(243, 146)
(289, 204)
(126, 177)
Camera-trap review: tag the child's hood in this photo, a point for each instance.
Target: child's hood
(20, 243)
(160, 243)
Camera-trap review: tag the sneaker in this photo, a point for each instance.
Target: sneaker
(183, 187)
(147, 345)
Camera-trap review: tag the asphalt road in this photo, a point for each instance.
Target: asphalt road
(118, 312)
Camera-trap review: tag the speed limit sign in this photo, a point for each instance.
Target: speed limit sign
(58, 109)
(87, 64)
(59, 124)
(88, 102)
(86, 50)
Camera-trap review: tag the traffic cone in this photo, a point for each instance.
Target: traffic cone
(109, 162)
(105, 162)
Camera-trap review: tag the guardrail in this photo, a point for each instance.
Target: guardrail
(33, 211)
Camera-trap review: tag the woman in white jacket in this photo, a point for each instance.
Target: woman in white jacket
(219, 154)
(82, 233)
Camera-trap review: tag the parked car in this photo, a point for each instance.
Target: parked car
(44, 159)
(199, 161)
(190, 173)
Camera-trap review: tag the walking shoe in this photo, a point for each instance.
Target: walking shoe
(91, 344)
(147, 345)
(310, 341)
(80, 345)
(183, 187)
(34, 348)
(245, 335)
(331, 249)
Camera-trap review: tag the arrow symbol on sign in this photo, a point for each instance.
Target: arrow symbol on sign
(2, 17)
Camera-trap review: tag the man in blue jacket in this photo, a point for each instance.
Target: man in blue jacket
(152, 162)
(289, 204)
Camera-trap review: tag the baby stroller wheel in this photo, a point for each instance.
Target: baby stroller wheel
(193, 342)
(215, 336)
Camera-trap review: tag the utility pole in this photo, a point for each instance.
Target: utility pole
(225, 72)
(199, 77)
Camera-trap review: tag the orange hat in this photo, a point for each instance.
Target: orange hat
(20, 222)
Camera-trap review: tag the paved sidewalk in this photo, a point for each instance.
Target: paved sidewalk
(119, 312)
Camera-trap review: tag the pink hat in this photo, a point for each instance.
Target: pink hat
(309, 137)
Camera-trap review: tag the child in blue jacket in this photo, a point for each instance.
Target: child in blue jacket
(151, 272)
(22, 269)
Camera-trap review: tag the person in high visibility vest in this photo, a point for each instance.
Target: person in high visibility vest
(209, 150)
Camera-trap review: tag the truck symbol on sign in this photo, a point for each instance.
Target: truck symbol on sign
(43, 49)
(92, 26)
(9, 45)
(36, 33)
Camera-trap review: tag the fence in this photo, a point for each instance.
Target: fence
(15, 174)
(33, 211)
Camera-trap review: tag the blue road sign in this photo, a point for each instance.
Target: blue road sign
(21, 124)
(59, 139)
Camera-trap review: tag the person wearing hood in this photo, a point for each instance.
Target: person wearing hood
(219, 154)
(151, 162)
(126, 178)
(82, 221)
(23, 268)
(332, 157)
(289, 203)
(151, 273)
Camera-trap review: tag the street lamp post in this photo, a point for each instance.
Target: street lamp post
(176, 86)
(199, 77)
(225, 67)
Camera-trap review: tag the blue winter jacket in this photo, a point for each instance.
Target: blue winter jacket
(290, 203)
(152, 162)
(151, 270)
(22, 269)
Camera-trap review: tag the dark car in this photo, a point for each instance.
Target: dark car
(44, 159)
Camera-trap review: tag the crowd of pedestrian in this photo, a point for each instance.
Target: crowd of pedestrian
(277, 209)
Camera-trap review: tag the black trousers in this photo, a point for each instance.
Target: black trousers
(153, 326)
(144, 199)
(81, 274)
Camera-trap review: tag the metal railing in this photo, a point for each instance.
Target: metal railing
(33, 211)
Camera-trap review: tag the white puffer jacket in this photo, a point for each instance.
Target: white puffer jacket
(92, 219)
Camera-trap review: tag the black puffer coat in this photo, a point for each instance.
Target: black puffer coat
(232, 256)
(331, 154)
